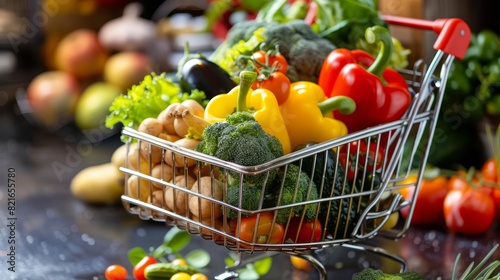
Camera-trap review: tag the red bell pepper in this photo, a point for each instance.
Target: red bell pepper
(380, 93)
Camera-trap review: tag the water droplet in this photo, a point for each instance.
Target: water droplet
(417, 240)
(431, 235)
(50, 213)
(472, 254)
(141, 232)
(88, 215)
(29, 239)
(351, 254)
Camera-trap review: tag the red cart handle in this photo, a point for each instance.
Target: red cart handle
(453, 33)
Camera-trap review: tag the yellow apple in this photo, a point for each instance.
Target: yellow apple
(93, 105)
(125, 69)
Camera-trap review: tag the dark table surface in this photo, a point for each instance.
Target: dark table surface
(59, 237)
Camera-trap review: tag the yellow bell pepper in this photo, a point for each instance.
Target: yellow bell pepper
(261, 102)
(308, 114)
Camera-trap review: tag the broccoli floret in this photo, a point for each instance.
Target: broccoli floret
(377, 274)
(368, 274)
(242, 30)
(239, 117)
(251, 198)
(304, 50)
(211, 135)
(297, 187)
(241, 140)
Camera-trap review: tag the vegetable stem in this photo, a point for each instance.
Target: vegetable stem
(246, 80)
(343, 104)
(379, 34)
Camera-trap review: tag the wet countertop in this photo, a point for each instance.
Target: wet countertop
(55, 236)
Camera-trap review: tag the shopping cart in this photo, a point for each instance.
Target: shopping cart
(360, 205)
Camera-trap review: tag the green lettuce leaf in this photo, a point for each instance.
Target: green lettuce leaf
(147, 99)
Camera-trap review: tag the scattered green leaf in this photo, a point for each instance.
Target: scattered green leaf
(176, 239)
(263, 266)
(135, 255)
(198, 258)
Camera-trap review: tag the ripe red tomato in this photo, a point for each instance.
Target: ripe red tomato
(141, 266)
(489, 173)
(279, 84)
(349, 166)
(358, 156)
(429, 204)
(468, 210)
(489, 170)
(305, 232)
(115, 272)
(275, 60)
(263, 235)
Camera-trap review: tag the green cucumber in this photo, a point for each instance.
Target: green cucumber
(164, 271)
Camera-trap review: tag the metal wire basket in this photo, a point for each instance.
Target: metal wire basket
(359, 205)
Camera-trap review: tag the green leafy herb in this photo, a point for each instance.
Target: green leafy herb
(136, 254)
(474, 272)
(252, 270)
(197, 258)
(174, 241)
(147, 99)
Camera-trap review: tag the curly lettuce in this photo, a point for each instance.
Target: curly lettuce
(147, 99)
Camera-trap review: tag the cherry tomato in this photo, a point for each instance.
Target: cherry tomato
(349, 166)
(370, 156)
(179, 262)
(279, 84)
(489, 170)
(305, 232)
(359, 155)
(429, 204)
(494, 193)
(263, 234)
(468, 210)
(301, 263)
(116, 272)
(275, 60)
(199, 276)
(141, 266)
(181, 276)
(489, 173)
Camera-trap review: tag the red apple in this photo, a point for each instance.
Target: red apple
(52, 97)
(80, 54)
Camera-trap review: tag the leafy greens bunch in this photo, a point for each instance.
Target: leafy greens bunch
(147, 99)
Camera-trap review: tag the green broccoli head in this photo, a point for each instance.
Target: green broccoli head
(251, 198)
(368, 274)
(377, 274)
(244, 143)
(304, 50)
(211, 135)
(239, 117)
(297, 187)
